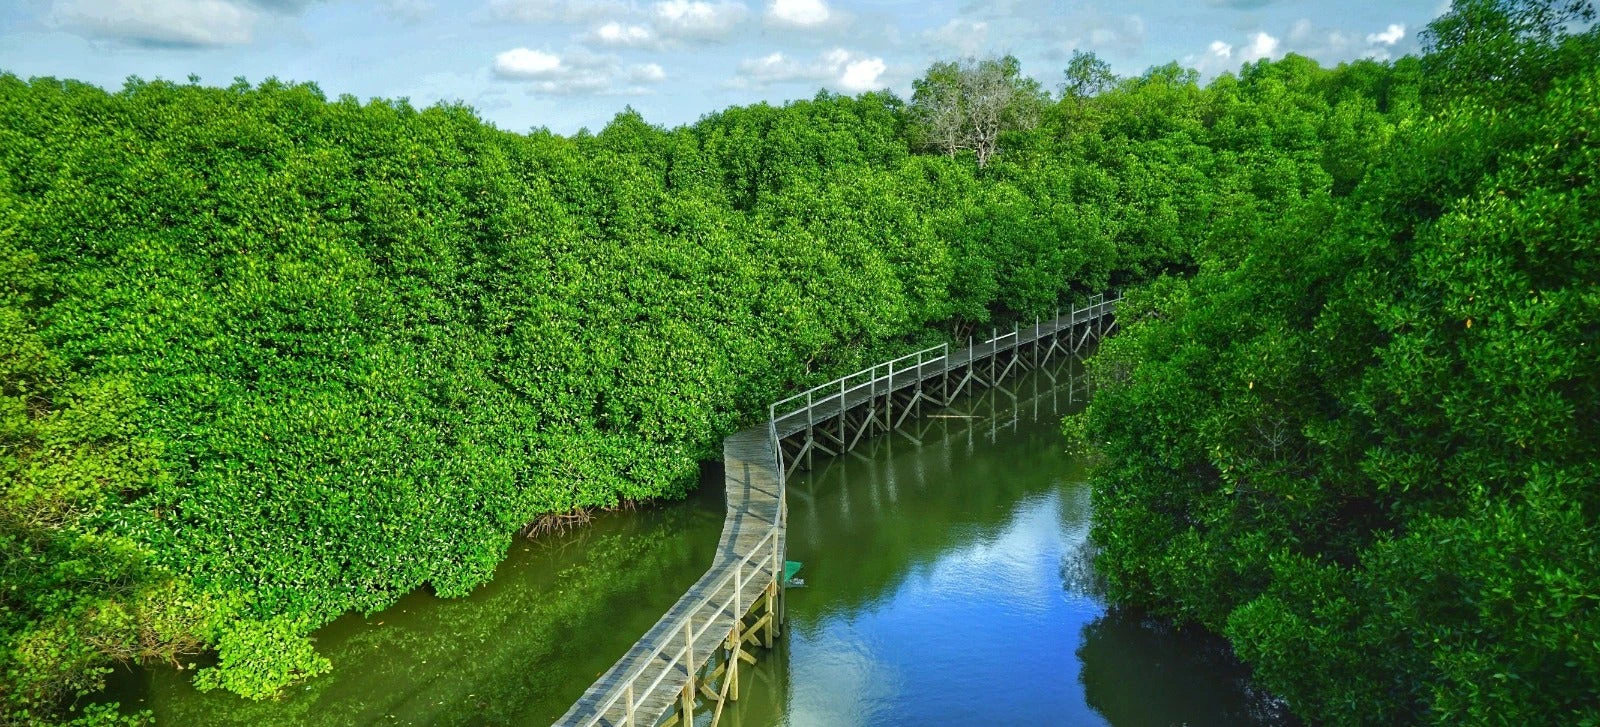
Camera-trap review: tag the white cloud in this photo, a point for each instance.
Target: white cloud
(1301, 30)
(847, 70)
(862, 75)
(1261, 46)
(772, 68)
(966, 37)
(697, 18)
(672, 24)
(540, 11)
(1217, 58)
(1118, 34)
(580, 84)
(1389, 36)
(1324, 44)
(574, 72)
(1033, 27)
(173, 22)
(523, 63)
(614, 33)
(1224, 56)
(1333, 45)
(646, 73)
(799, 13)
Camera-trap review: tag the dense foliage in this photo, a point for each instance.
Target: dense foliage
(279, 357)
(272, 358)
(1364, 444)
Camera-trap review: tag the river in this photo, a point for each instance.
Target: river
(946, 583)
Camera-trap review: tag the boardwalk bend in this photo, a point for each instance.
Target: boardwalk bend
(691, 657)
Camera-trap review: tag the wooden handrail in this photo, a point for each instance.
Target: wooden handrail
(687, 627)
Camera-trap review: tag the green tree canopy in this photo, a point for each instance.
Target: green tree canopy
(1363, 444)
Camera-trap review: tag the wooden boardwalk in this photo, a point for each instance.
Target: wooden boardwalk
(691, 657)
(832, 418)
(713, 620)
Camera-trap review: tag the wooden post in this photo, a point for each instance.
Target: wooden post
(843, 440)
(733, 660)
(888, 401)
(872, 398)
(772, 617)
(737, 638)
(1038, 335)
(627, 694)
(994, 352)
(1072, 331)
(810, 429)
(944, 374)
(688, 662)
(773, 631)
(916, 399)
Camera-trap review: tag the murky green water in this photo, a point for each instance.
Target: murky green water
(946, 584)
(518, 651)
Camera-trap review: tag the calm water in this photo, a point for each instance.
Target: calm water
(946, 584)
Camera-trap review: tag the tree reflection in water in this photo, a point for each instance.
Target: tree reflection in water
(1175, 668)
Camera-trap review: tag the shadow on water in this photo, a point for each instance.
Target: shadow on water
(1176, 669)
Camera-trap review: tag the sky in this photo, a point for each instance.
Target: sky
(570, 64)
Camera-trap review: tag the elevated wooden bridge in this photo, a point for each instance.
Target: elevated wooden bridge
(691, 657)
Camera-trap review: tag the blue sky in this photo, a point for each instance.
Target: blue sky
(565, 64)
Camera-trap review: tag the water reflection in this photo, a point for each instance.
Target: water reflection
(1176, 669)
(950, 581)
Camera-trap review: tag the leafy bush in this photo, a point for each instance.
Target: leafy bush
(258, 658)
(1364, 447)
(75, 591)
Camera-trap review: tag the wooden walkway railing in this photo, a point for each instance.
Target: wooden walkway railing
(692, 655)
(834, 417)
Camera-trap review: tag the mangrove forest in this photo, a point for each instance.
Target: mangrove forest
(271, 358)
